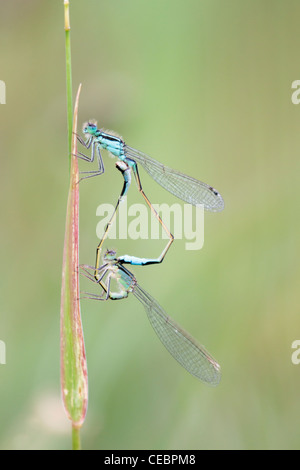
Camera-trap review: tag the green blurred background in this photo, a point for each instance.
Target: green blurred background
(203, 86)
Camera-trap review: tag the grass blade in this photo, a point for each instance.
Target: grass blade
(73, 360)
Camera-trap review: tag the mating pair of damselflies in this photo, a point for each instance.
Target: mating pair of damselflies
(192, 356)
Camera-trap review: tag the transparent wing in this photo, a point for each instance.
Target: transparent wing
(185, 187)
(185, 349)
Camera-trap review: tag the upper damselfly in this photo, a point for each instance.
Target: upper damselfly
(184, 187)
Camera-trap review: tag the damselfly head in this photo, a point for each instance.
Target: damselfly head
(89, 127)
(109, 255)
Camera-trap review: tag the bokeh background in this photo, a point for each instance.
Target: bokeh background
(205, 87)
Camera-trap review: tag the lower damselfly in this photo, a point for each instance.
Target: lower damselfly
(180, 344)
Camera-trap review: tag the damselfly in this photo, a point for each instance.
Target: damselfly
(182, 186)
(185, 349)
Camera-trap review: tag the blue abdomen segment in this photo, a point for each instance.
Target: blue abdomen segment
(135, 261)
